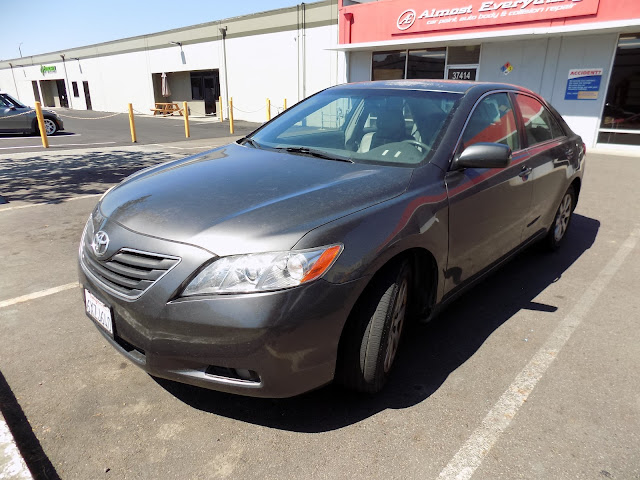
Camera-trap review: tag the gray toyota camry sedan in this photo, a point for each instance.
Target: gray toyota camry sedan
(295, 256)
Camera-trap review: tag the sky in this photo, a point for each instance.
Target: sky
(38, 26)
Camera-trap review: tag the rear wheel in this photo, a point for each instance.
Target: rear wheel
(372, 336)
(562, 220)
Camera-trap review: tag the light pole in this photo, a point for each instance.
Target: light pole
(223, 32)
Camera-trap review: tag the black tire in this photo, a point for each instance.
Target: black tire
(558, 230)
(371, 337)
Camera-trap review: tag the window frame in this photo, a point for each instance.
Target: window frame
(460, 145)
(522, 125)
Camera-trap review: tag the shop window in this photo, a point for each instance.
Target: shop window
(454, 63)
(539, 124)
(388, 65)
(621, 115)
(469, 55)
(74, 86)
(492, 121)
(428, 63)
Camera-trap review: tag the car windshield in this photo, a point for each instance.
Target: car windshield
(392, 126)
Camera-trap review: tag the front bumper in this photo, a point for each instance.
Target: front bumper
(286, 340)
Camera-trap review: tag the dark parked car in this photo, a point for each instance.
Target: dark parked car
(18, 118)
(294, 257)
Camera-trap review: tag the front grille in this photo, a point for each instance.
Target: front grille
(128, 273)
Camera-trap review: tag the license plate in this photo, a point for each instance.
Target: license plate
(98, 311)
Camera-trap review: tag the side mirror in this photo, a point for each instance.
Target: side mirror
(484, 155)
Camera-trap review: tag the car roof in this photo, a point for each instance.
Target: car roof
(453, 86)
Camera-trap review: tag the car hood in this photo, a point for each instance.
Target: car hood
(239, 199)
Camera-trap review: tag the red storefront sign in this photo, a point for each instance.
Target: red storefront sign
(388, 20)
(452, 14)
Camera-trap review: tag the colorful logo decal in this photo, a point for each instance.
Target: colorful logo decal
(406, 19)
(507, 68)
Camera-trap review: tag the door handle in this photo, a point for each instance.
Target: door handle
(526, 171)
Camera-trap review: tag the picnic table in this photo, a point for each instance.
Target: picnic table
(166, 109)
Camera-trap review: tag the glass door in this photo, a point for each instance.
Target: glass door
(621, 116)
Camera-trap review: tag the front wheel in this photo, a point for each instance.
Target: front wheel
(50, 126)
(562, 220)
(370, 342)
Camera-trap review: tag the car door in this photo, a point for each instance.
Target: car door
(551, 154)
(13, 117)
(488, 208)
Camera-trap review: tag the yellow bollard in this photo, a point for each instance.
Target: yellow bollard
(231, 115)
(187, 133)
(43, 132)
(268, 109)
(221, 112)
(285, 104)
(132, 125)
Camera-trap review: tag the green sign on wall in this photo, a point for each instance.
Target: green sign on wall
(45, 69)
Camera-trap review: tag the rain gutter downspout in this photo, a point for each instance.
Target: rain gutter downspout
(67, 87)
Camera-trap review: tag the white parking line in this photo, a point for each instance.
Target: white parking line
(59, 145)
(470, 456)
(12, 466)
(41, 293)
(19, 207)
(37, 138)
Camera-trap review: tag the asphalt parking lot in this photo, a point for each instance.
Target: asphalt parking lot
(531, 375)
(92, 129)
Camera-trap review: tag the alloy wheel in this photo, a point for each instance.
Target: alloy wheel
(563, 217)
(50, 126)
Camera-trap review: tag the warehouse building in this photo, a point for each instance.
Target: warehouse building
(279, 54)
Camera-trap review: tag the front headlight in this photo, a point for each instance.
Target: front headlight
(261, 272)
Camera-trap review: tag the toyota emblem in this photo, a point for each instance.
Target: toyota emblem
(100, 243)
(406, 19)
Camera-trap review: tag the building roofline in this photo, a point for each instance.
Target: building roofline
(143, 40)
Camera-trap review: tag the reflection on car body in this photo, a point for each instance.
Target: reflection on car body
(294, 256)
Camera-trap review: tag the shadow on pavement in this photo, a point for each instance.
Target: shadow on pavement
(43, 179)
(26, 441)
(428, 355)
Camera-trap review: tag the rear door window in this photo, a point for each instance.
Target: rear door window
(539, 124)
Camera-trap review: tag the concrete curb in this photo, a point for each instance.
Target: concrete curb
(12, 465)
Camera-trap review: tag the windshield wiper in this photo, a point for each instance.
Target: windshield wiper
(315, 153)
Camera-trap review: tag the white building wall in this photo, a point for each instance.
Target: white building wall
(527, 58)
(543, 65)
(595, 51)
(359, 66)
(259, 67)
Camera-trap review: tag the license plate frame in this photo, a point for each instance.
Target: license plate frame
(98, 311)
